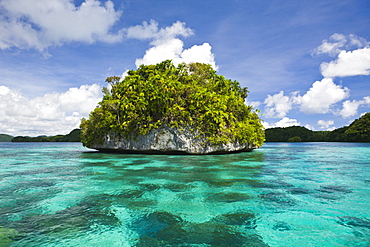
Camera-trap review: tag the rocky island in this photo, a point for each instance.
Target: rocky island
(165, 108)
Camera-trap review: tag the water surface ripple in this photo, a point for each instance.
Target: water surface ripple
(283, 194)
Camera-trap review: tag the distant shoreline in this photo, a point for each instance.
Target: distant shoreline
(73, 136)
(357, 131)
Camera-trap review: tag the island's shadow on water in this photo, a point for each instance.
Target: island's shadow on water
(254, 156)
(165, 193)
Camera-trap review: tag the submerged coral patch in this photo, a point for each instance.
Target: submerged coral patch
(351, 222)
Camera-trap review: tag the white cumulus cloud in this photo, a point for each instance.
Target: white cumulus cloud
(254, 104)
(321, 96)
(319, 99)
(171, 49)
(287, 122)
(350, 107)
(152, 31)
(200, 54)
(284, 122)
(51, 114)
(352, 56)
(325, 124)
(333, 46)
(277, 105)
(40, 24)
(166, 44)
(348, 63)
(339, 42)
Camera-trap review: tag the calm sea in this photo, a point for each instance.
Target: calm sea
(283, 194)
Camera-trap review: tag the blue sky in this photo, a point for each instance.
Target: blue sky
(305, 62)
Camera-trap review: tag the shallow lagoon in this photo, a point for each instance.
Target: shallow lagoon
(283, 194)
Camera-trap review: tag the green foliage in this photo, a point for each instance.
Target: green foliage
(5, 138)
(295, 139)
(337, 135)
(7, 236)
(357, 131)
(284, 134)
(187, 96)
(73, 136)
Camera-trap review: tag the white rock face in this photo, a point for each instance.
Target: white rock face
(168, 140)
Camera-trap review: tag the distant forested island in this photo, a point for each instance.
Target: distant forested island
(5, 138)
(357, 131)
(73, 136)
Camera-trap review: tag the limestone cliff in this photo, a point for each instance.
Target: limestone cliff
(168, 140)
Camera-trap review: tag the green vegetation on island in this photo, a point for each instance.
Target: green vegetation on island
(73, 136)
(6, 138)
(357, 131)
(294, 134)
(187, 96)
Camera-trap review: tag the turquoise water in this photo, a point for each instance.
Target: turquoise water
(283, 194)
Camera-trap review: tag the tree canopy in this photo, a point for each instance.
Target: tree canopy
(184, 96)
(357, 131)
(279, 134)
(5, 138)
